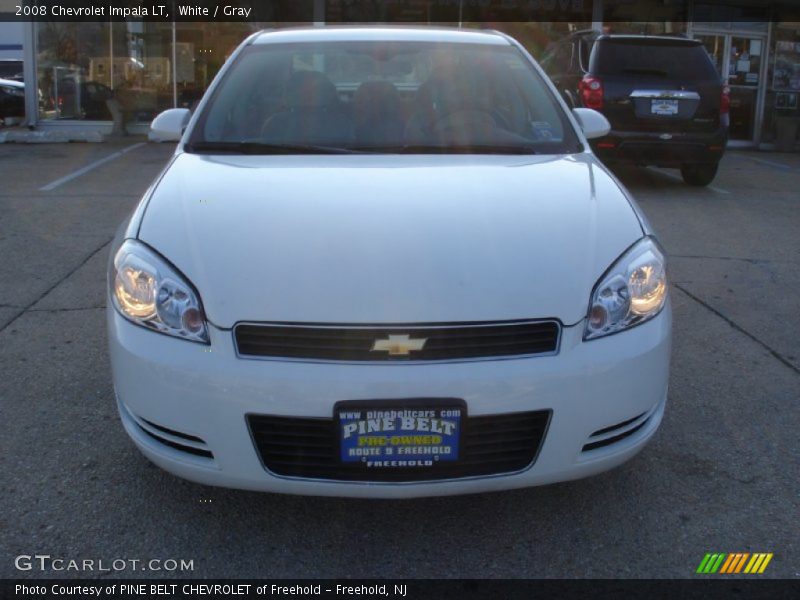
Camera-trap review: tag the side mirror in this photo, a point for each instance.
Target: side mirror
(593, 123)
(169, 125)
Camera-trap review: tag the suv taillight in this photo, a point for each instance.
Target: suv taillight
(725, 101)
(591, 89)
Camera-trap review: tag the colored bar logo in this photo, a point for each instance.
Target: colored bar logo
(736, 562)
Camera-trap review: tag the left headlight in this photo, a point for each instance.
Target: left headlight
(148, 291)
(631, 292)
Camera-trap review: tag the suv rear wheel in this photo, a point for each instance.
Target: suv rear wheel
(699, 175)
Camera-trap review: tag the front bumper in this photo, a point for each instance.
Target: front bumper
(661, 148)
(204, 392)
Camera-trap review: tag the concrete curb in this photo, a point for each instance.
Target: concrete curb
(26, 136)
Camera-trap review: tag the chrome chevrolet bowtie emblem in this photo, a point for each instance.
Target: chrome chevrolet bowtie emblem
(399, 345)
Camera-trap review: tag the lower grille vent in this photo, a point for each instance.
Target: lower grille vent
(616, 433)
(174, 439)
(308, 447)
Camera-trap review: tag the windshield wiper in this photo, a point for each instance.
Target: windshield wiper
(250, 147)
(455, 149)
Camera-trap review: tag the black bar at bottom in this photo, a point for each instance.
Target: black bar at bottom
(714, 586)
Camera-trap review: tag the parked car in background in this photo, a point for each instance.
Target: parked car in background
(12, 99)
(662, 95)
(86, 100)
(11, 68)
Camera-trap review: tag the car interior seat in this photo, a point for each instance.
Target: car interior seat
(449, 92)
(312, 113)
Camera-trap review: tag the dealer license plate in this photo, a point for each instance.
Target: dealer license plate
(399, 435)
(664, 107)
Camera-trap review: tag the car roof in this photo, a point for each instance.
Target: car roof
(12, 83)
(632, 37)
(381, 34)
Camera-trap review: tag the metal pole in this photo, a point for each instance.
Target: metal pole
(318, 15)
(78, 98)
(174, 65)
(690, 19)
(55, 92)
(597, 15)
(111, 54)
(761, 91)
(29, 45)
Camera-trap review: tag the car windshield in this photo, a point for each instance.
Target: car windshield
(383, 96)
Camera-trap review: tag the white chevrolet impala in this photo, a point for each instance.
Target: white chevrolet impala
(384, 262)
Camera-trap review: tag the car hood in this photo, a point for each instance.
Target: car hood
(389, 239)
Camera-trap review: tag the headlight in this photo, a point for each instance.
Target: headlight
(148, 291)
(632, 291)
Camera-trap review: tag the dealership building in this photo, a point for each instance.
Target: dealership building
(149, 66)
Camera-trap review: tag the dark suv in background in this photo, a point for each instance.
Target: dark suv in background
(664, 98)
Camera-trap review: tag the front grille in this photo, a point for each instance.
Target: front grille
(356, 343)
(306, 447)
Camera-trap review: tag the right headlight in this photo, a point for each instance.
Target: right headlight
(148, 291)
(632, 291)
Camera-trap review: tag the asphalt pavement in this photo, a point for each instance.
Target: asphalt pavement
(721, 475)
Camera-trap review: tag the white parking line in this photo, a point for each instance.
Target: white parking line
(713, 188)
(82, 171)
(769, 163)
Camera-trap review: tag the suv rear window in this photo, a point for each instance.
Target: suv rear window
(667, 59)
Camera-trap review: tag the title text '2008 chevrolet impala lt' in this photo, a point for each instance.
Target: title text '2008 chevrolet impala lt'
(384, 262)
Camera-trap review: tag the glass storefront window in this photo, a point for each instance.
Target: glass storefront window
(140, 69)
(720, 16)
(91, 71)
(65, 52)
(83, 66)
(536, 37)
(782, 104)
(133, 70)
(664, 18)
(200, 51)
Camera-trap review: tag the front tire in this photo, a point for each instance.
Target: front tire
(699, 175)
